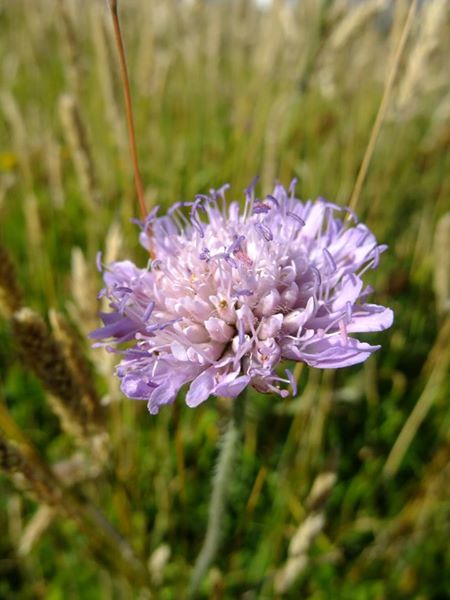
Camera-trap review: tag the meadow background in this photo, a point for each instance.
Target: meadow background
(341, 492)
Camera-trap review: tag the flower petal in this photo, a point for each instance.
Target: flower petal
(233, 388)
(201, 388)
(370, 317)
(330, 353)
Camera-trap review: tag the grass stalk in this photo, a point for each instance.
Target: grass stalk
(128, 106)
(387, 92)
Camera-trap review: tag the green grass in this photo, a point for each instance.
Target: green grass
(222, 93)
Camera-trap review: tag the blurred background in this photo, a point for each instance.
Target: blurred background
(341, 492)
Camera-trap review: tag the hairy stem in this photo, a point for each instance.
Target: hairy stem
(217, 506)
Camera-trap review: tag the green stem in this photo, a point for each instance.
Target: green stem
(217, 506)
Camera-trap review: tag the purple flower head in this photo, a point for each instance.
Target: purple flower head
(230, 293)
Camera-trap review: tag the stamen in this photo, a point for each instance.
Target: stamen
(249, 198)
(205, 254)
(193, 215)
(331, 326)
(343, 330)
(236, 249)
(376, 258)
(156, 263)
(221, 192)
(366, 230)
(296, 217)
(144, 224)
(230, 260)
(243, 257)
(316, 276)
(122, 305)
(330, 205)
(203, 197)
(371, 262)
(273, 199)
(366, 292)
(177, 205)
(264, 231)
(148, 310)
(330, 261)
(225, 255)
(292, 381)
(136, 352)
(292, 186)
(377, 251)
(151, 216)
(160, 326)
(236, 245)
(251, 188)
(260, 207)
(348, 311)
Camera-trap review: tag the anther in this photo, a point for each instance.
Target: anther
(296, 217)
(264, 231)
(329, 260)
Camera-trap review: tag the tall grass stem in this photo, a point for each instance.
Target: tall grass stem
(387, 92)
(128, 107)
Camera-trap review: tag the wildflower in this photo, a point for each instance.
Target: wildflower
(231, 293)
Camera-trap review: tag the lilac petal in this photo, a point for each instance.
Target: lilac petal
(196, 334)
(201, 388)
(289, 295)
(329, 353)
(163, 394)
(233, 388)
(290, 350)
(349, 292)
(370, 317)
(134, 386)
(218, 329)
(120, 272)
(116, 326)
(269, 303)
(314, 220)
(270, 326)
(279, 194)
(293, 321)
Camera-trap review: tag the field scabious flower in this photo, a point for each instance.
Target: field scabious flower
(230, 293)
